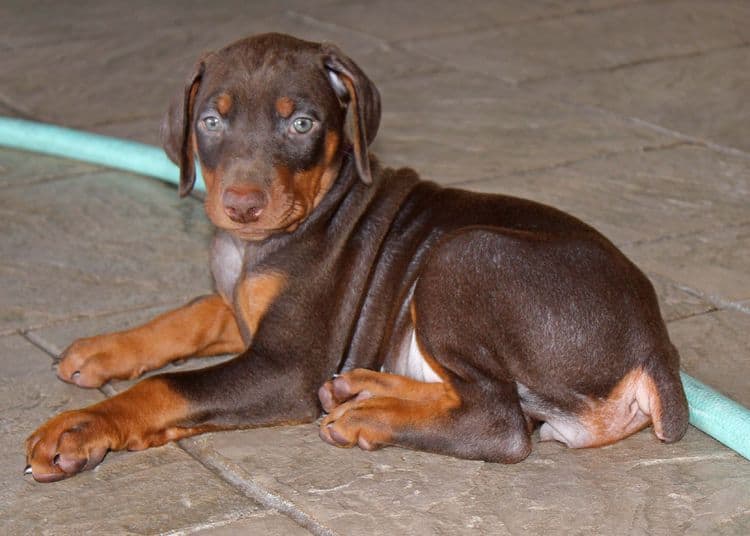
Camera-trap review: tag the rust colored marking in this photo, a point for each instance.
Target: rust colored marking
(383, 384)
(212, 202)
(285, 107)
(203, 327)
(224, 104)
(372, 409)
(630, 407)
(309, 186)
(147, 415)
(382, 407)
(255, 294)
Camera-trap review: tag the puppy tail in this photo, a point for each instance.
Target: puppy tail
(662, 396)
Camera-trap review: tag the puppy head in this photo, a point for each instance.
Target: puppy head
(266, 118)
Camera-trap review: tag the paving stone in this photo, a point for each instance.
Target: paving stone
(40, 25)
(98, 243)
(713, 263)
(451, 128)
(637, 486)
(21, 168)
(643, 196)
(140, 493)
(144, 129)
(594, 41)
(146, 61)
(265, 524)
(714, 349)
(420, 18)
(677, 303)
(703, 96)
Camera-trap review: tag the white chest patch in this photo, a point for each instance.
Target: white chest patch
(411, 363)
(226, 264)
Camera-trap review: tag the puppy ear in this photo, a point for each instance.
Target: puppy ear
(352, 86)
(177, 127)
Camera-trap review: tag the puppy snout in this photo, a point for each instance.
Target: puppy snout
(244, 205)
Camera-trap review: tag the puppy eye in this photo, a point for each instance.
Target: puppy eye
(212, 123)
(302, 124)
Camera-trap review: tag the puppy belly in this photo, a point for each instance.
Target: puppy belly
(410, 362)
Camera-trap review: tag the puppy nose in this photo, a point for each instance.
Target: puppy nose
(244, 205)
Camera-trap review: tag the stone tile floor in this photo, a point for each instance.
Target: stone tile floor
(632, 115)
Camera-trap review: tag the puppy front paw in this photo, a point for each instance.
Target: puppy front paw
(93, 361)
(67, 444)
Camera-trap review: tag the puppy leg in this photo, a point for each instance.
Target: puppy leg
(251, 390)
(484, 423)
(205, 326)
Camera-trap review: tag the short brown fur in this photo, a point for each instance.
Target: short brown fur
(501, 311)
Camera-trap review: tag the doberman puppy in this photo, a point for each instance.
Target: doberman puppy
(414, 315)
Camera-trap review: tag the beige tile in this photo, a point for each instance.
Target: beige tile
(703, 96)
(636, 486)
(453, 128)
(422, 18)
(712, 263)
(22, 168)
(715, 349)
(97, 243)
(594, 41)
(138, 67)
(643, 196)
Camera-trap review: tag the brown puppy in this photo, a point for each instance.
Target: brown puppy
(456, 321)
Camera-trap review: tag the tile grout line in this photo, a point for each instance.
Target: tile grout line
(237, 477)
(676, 134)
(633, 63)
(527, 21)
(19, 112)
(41, 343)
(604, 155)
(200, 527)
(382, 44)
(221, 467)
(678, 236)
(53, 178)
(718, 147)
(718, 302)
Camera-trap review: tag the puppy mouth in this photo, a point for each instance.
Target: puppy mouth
(285, 222)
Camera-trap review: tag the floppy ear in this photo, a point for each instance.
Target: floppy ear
(353, 87)
(176, 129)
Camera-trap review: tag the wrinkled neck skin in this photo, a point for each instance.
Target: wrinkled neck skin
(320, 218)
(328, 264)
(321, 237)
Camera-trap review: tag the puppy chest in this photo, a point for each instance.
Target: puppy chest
(226, 265)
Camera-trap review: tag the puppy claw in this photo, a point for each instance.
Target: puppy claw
(27, 470)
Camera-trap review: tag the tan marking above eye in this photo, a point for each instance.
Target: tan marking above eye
(285, 107)
(224, 104)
